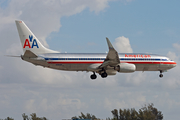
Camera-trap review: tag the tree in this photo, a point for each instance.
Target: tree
(87, 116)
(134, 114)
(8, 118)
(25, 117)
(148, 112)
(115, 113)
(33, 117)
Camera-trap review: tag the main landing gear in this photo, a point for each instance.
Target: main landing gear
(161, 75)
(103, 75)
(93, 76)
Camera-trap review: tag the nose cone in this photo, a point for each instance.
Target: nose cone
(174, 65)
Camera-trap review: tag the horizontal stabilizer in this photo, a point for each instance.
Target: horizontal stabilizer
(12, 56)
(29, 54)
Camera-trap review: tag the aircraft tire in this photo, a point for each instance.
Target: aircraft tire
(104, 75)
(93, 76)
(161, 75)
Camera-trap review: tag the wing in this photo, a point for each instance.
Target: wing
(112, 58)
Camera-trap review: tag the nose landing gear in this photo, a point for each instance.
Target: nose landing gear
(161, 75)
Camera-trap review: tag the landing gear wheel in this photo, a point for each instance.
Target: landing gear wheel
(93, 76)
(104, 75)
(161, 75)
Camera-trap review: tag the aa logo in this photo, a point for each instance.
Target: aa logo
(31, 40)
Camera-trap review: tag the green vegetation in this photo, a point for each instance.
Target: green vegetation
(147, 112)
(87, 116)
(8, 118)
(33, 117)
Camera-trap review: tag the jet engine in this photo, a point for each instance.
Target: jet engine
(125, 67)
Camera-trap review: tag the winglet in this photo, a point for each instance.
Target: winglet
(112, 57)
(109, 44)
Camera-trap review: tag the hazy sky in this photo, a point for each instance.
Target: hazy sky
(77, 26)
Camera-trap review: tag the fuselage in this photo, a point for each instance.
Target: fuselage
(81, 61)
(102, 63)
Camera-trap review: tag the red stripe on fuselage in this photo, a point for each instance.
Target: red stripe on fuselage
(151, 62)
(72, 62)
(93, 62)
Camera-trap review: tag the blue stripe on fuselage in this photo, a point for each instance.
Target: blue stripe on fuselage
(132, 59)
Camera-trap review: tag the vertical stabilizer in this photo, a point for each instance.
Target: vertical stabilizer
(29, 40)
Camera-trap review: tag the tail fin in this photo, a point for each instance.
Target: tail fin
(29, 41)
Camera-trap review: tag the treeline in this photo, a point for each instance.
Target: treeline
(147, 112)
(8, 118)
(33, 116)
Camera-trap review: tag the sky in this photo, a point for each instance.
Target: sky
(81, 26)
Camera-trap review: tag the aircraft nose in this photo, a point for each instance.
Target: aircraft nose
(174, 65)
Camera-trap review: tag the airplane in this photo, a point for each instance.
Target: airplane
(103, 64)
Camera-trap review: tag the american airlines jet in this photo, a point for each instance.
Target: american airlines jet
(102, 63)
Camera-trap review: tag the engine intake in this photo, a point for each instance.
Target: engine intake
(125, 67)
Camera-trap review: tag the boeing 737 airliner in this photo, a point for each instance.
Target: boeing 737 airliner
(103, 63)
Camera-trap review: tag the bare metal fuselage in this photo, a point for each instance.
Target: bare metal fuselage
(102, 63)
(80, 62)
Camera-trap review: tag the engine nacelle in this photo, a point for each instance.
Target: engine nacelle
(125, 67)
